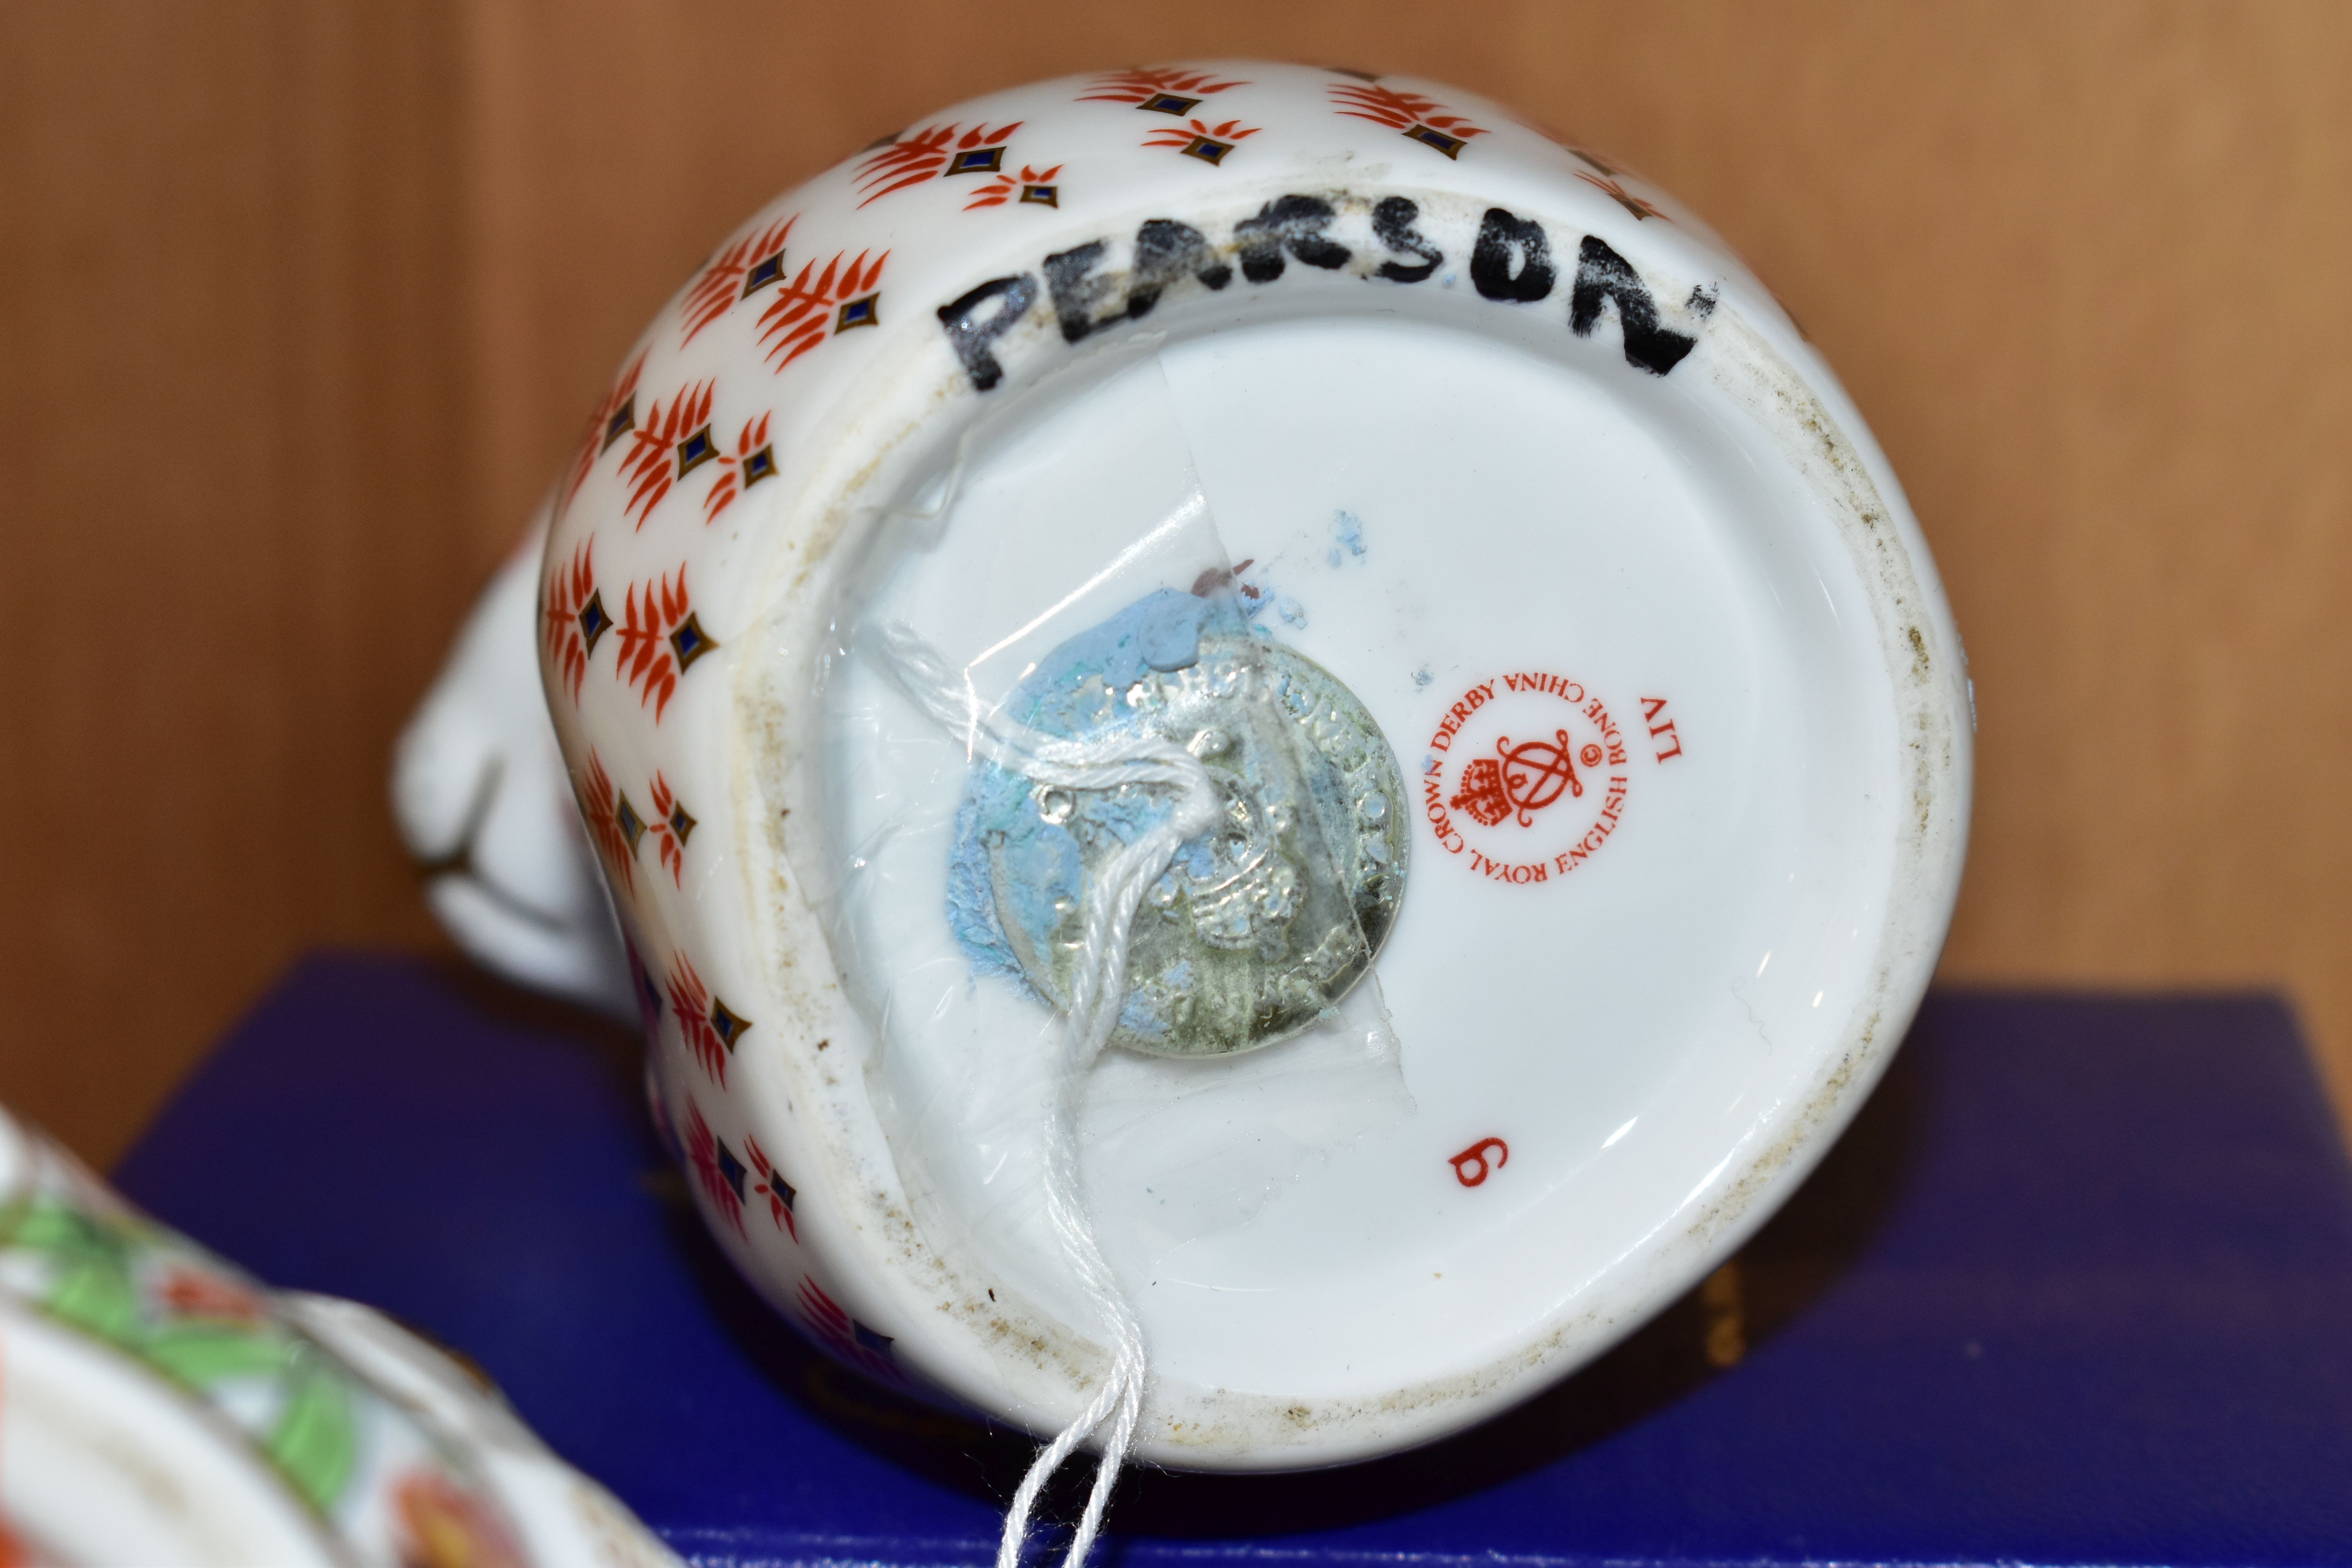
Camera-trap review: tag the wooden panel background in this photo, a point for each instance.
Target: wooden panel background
(301, 301)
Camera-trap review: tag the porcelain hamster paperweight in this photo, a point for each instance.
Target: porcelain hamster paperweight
(1264, 741)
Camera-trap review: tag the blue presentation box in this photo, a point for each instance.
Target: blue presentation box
(2076, 1288)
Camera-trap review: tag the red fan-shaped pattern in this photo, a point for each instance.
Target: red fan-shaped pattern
(921, 156)
(779, 1193)
(731, 482)
(801, 314)
(1182, 136)
(702, 1152)
(593, 439)
(648, 615)
(720, 284)
(597, 810)
(568, 589)
(665, 836)
(648, 467)
(1640, 207)
(690, 1000)
(837, 1330)
(1136, 84)
(1004, 187)
(1399, 110)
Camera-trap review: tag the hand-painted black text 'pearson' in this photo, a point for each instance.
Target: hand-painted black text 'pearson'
(1511, 261)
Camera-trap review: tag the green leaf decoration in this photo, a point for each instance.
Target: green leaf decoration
(44, 1225)
(202, 1354)
(90, 1287)
(316, 1441)
(95, 1293)
(93, 1287)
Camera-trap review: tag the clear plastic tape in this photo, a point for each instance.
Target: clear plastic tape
(1083, 597)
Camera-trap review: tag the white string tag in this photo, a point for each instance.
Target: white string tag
(1098, 990)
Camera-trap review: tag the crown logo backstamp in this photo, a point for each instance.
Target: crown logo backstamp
(1530, 811)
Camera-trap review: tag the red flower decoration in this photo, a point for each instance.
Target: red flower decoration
(929, 153)
(780, 1193)
(736, 273)
(574, 618)
(804, 313)
(614, 418)
(443, 1523)
(1004, 187)
(599, 811)
(660, 640)
(192, 1293)
(684, 432)
(709, 1157)
(1143, 84)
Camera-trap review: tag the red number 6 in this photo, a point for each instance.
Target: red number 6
(1470, 1166)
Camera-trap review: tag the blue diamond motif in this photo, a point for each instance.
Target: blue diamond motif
(594, 622)
(690, 642)
(1450, 145)
(623, 420)
(696, 450)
